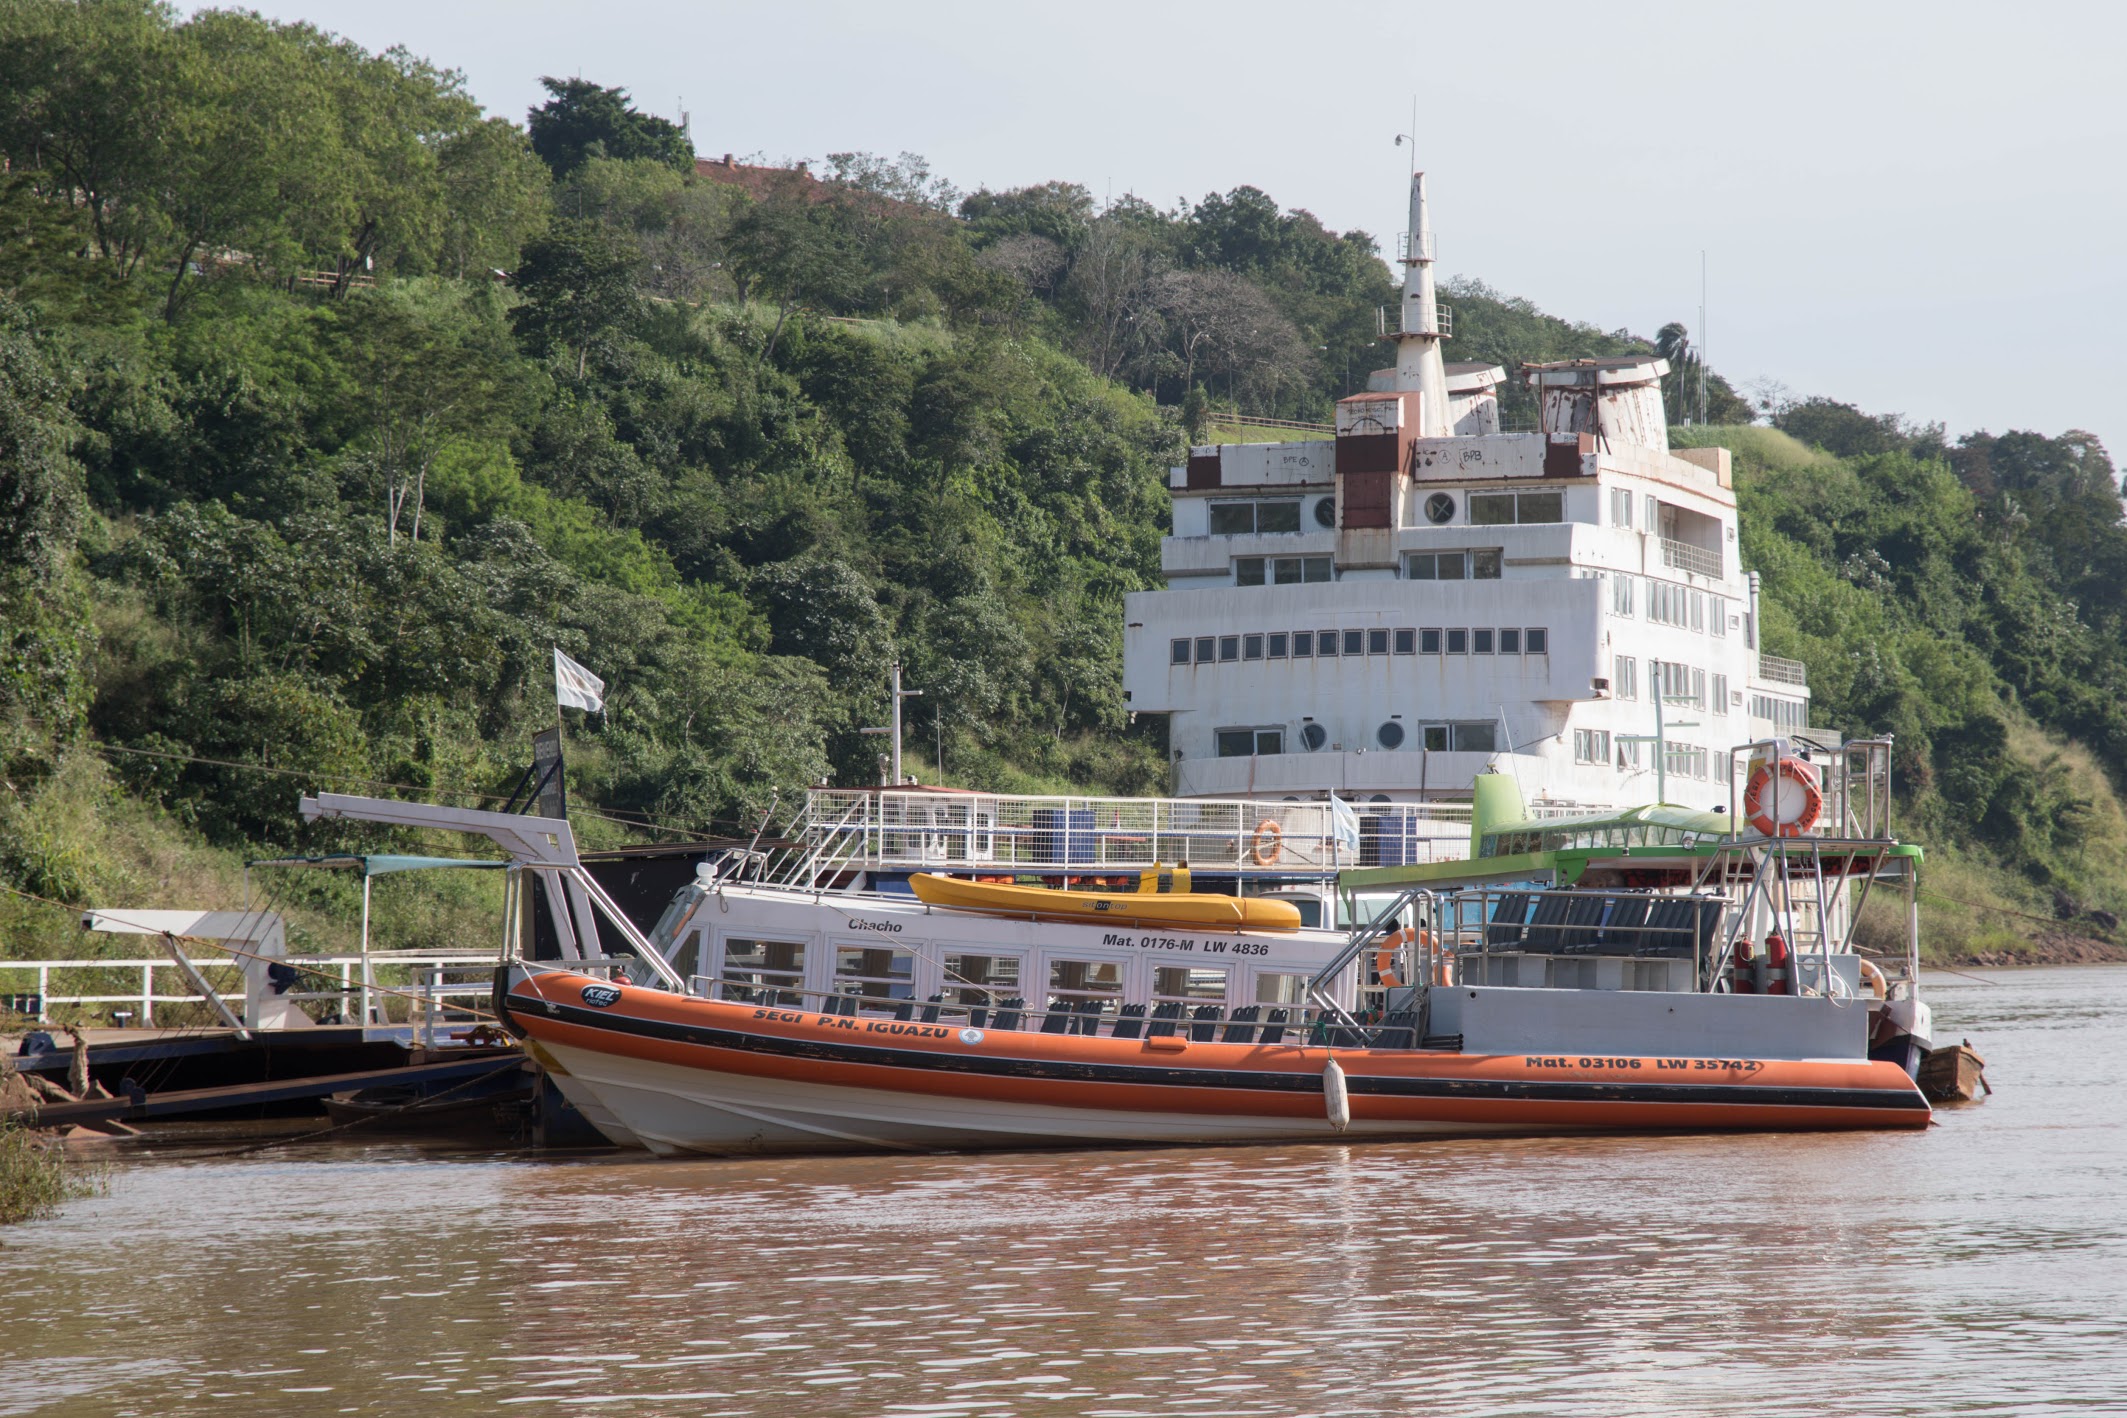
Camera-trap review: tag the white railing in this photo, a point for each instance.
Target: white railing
(1778, 671)
(436, 979)
(1683, 556)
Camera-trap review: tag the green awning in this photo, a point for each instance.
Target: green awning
(378, 863)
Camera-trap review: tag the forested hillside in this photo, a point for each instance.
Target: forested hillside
(329, 403)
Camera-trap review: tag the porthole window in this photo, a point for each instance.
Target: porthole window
(1439, 508)
(1326, 512)
(1389, 735)
(1313, 736)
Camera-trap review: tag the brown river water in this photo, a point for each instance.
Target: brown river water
(1977, 1268)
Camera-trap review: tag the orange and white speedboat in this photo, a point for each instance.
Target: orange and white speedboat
(1654, 969)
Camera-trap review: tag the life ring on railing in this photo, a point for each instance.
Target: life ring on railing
(1269, 844)
(1782, 799)
(1873, 978)
(1392, 945)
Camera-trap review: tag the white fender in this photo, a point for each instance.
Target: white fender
(1335, 1100)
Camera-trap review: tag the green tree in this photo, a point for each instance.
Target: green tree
(581, 120)
(579, 286)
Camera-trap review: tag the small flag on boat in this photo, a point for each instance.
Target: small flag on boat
(576, 686)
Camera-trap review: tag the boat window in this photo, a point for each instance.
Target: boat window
(1325, 642)
(1377, 642)
(1280, 989)
(1480, 736)
(1429, 641)
(1499, 509)
(1080, 979)
(763, 970)
(1458, 642)
(1241, 518)
(1509, 641)
(1484, 565)
(1536, 640)
(1435, 738)
(1203, 649)
(874, 972)
(1406, 642)
(1481, 640)
(1179, 653)
(1248, 571)
(1303, 644)
(1188, 982)
(980, 979)
(1229, 647)
(1277, 645)
(1354, 642)
(1251, 647)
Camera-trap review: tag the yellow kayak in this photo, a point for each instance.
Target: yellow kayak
(1233, 913)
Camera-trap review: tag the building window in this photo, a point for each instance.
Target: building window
(1458, 642)
(1481, 564)
(1481, 640)
(1716, 616)
(1685, 760)
(1353, 642)
(1679, 606)
(1326, 642)
(1178, 652)
(1783, 713)
(1536, 640)
(1203, 649)
(1653, 519)
(1476, 736)
(1229, 648)
(1241, 518)
(1277, 645)
(1621, 593)
(1509, 641)
(1429, 641)
(1502, 509)
(1406, 642)
(1591, 746)
(1377, 642)
(1625, 677)
(1620, 507)
(1243, 743)
(1303, 644)
(1720, 694)
(1281, 570)
(1628, 753)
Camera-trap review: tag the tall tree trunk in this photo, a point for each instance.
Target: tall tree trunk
(184, 259)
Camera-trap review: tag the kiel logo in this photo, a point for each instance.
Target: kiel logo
(600, 996)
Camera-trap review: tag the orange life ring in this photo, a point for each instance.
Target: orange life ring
(1872, 976)
(1269, 844)
(1770, 810)
(1385, 955)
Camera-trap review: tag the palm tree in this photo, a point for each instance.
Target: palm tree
(1673, 343)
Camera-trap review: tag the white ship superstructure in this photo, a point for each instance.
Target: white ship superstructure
(1383, 614)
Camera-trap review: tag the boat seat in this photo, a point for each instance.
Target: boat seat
(1623, 932)
(1274, 1027)
(1543, 934)
(930, 1010)
(1399, 1030)
(1090, 1012)
(1130, 1023)
(1582, 933)
(839, 1004)
(1010, 1013)
(905, 1009)
(1204, 1024)
(1056, 1019)
(1241, 1029)
(1163, 1019)
(977, 1015)
(1508, 918)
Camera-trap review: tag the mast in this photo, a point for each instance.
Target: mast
(1418, 362)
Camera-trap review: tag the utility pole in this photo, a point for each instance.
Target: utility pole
(895, 696)
(1660, 737)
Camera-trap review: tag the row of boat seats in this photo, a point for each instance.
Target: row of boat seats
(1599, 923)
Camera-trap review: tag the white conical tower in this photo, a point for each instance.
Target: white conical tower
(1418, 362)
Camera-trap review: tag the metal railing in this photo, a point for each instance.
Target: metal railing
(1778, 671)
(437, 978)
(1683, 556)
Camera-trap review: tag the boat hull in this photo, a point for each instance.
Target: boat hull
(676, 1074)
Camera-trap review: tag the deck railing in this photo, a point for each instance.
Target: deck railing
(1683, 556)
(434, 979)
(1778, 671)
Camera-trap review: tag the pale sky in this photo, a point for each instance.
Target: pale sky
(1911, 207)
